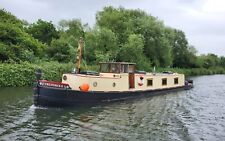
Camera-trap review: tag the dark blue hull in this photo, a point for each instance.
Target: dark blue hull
(60, 97)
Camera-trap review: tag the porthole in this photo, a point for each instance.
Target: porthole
(64, 77)
(114, 84)
(95, 84)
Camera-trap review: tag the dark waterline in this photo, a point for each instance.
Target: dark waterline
(197, 114)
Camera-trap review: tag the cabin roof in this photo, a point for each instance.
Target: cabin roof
(122, 63)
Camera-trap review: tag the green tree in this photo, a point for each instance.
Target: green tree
(124, 23)
(17, 45)
(210, 60)
(72, 28)
(70, 33)
(116, 20)
(61, 51)
(222, 61)
(132, 51)
(107, 48)
(91, 45)
(7, 17)
(183, 54)
(43, 31)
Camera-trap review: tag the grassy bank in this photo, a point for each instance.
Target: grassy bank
(14, 75)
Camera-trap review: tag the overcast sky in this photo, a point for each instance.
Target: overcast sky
(203, 21)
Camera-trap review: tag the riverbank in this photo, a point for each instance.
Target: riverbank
(23, 74)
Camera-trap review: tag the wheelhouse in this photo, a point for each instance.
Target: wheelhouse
(117, 67)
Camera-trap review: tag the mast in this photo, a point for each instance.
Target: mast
(79, 55)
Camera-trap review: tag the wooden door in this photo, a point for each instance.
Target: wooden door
(131, 80)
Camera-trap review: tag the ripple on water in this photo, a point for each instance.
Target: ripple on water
(197, 114)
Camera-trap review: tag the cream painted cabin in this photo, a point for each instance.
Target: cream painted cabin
(121, 76)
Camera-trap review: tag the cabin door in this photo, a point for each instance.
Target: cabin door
(131, 80)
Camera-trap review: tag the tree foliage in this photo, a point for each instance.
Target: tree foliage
(124, 23)
(64, 48)
(133, 50)
(119, 35)
(182, 54)
(15, 44)
(60, 51)
(106, 49)
(6, 17)
(43, 31)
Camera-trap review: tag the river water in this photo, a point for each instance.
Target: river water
(197, 114)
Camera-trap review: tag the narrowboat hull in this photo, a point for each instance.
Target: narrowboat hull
(45, 96)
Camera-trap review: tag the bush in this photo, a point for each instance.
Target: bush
(23, 74)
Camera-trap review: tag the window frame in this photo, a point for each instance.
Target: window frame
(164, 81)
(149, 80)
(176, 80)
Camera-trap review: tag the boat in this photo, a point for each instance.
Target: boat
(115, 81)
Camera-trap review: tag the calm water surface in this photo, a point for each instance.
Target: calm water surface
(197, 114)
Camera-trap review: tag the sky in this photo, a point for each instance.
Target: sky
(203, 21)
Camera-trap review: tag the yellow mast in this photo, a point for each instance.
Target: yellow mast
(79, 55)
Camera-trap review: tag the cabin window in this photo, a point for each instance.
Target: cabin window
(164, 81)
(115, 68)
(149, 82)
(175, 80)
(124, 69)
(131, 68)
(104, 68)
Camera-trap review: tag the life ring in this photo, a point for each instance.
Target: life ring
(141, 81)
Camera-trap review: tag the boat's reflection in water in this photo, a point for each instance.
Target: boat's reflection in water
(106, 122)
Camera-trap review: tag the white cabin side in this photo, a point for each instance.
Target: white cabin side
(98, 83)
(123, 78)
(159, 81)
